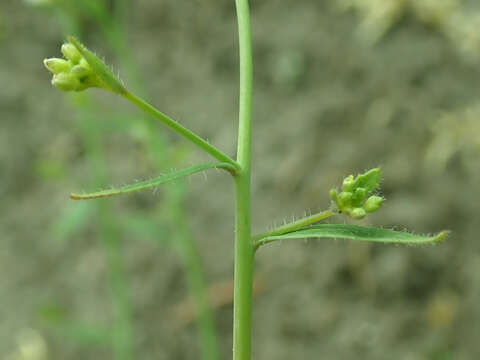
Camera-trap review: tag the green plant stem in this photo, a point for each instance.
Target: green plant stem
(293, 226)
(244, 252)
(175, 126)
(243, 276)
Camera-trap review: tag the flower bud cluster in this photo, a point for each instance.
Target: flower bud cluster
(355, 199)
(72, 73)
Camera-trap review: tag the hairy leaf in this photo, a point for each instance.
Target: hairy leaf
(354, 232)
(147, 184)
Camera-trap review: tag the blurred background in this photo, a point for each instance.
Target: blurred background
(340, 87)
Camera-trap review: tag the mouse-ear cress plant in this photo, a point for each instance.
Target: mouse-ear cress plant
(82, 69)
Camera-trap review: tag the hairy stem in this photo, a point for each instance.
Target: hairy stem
(293, 226)
(244, 252)
(175, 126)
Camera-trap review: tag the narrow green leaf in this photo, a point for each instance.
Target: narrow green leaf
(162, 179)
(354, 232)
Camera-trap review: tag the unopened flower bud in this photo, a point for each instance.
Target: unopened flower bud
(334, 195)
(66, 82)
(344, 198)
(358, 196)
(80, 71)
(71, 53)
(348, 183)
(56, 66)
(357, 213)
(373, 203)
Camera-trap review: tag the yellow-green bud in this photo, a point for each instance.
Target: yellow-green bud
(81, 71)
(358, 196)
(373, 203)
(66, 82)
(348, 183)
(105, 78)
(354, 198)
(83, 62)
(56, 66)
(357, 213)
(71, 53)
(334, 195)
(344, 199)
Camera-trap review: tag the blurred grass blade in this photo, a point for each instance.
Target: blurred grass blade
(58, 318)
(88, 335)
(148, 184)
(354, 232)
(72, 220)
(141, 225)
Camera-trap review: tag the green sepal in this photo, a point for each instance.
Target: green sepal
(369, 180)
(100, 69)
